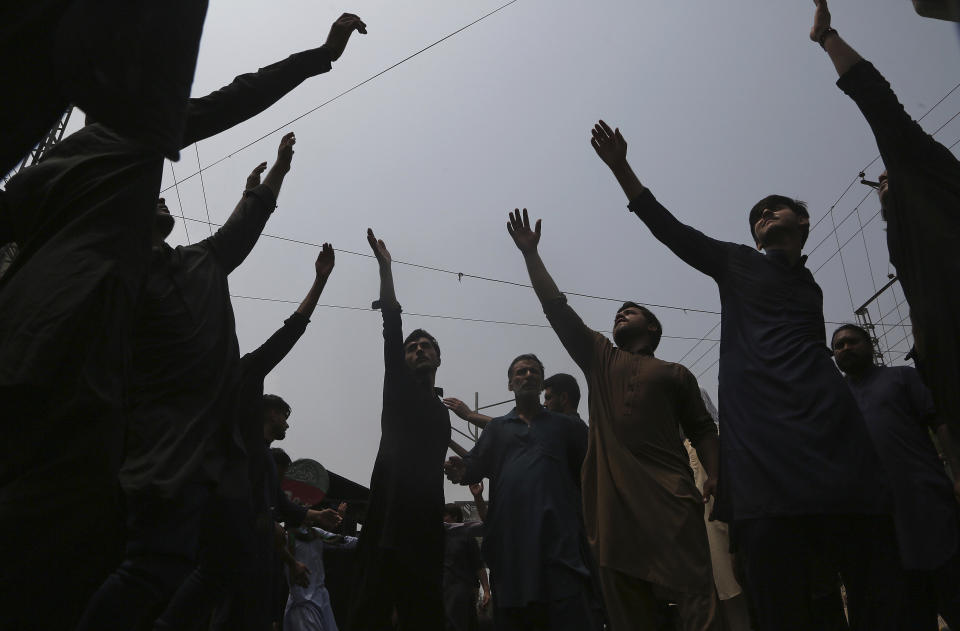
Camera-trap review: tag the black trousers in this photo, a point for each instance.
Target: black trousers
(61, 525)
(460, 604)
(928, 593)
(228, 560)
(163, 540)
(409, 581)
(786, 560)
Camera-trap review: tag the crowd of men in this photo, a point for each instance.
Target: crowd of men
(137, 478)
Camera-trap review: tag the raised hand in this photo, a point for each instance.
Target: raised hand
(458, 407)
(609, 145)
(285, 152)
(379, 249)
(340, 32)
(476, 489)
(325, 261)
(254, 178)
(342, 510)
(455, 468)
(519, 228)
(821, 20)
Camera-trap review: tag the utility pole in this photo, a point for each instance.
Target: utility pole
(866, 322)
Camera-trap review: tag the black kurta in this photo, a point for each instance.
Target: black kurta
(923, 230)
(83, 219)
(401, 544)
(406, 487)
(186, 363)
(793, 440)
(127, 63)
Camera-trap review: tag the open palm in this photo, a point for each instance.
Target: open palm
(519, 228)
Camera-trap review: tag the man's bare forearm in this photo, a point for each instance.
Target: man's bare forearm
(313, 296)
(457, 448)
(843, 56)
(628, 180)
(543, 283)
(708, 452)
(388, 296)
(274, 178)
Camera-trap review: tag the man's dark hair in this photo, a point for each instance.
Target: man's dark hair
(780, 201)
(273, 402)
(562, 383)
(416, 334)
(851, 327)
(280, 457)
(652, 319)
(525, 357)
(453, 510)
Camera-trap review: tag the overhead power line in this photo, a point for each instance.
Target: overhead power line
(200, 169)
(433, 315)
(462, 275)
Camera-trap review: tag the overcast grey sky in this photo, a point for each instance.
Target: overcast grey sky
(721, 103)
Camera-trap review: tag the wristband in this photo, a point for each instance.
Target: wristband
(823, 36)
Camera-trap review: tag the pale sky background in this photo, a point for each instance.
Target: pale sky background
(721, 103)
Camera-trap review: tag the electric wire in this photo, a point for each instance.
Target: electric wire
(348, 91)
(180, 202)
(204, 189)
(462, 275)
(433, 315)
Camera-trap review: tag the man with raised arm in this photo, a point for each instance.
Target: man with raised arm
(533, 533)
(920, 200)
(237, 541)
(83, 219)
(401, 544)
(799, 483)
(185, 376)
(642, 509)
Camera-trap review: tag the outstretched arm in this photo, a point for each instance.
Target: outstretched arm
(900, 139)
(323, 267)
(457, 448)
(249, 94)
(388, 296)
(575, 336)
(235, 239)
(461, 409)
(272, 352)
(843, 56)
(696, 249)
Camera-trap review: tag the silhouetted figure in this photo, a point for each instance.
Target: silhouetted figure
(83, 219)
(184, 386)
(920, 200)
(401, 545)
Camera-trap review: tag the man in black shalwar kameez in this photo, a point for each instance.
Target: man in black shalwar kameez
(237, 537)
(920, 199)
(184, 385)
(83, 220)
(401, 544)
